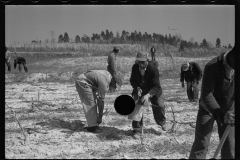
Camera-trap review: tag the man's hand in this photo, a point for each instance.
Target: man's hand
(145, 98)
(139, 90)
(229, 118)
(183, 85)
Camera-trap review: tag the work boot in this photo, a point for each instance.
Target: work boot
(94, 129)
(164, 127)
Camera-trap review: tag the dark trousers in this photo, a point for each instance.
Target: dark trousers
(153, 56)
(192, 90)
(158, 109)
(24, 67)
(204, 126)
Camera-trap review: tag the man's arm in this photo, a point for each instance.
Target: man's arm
(102, 89)
(133, 77)
(208, 86)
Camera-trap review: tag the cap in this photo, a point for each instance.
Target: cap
(142, 56)
(116, 48)
(185, 67)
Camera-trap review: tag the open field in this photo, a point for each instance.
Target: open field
(49, 109)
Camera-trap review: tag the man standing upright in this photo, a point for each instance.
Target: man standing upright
(217, 102)
(146, 86)
(192, 74)
(153, 51)
(112, 61)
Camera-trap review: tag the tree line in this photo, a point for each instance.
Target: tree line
(137, 37)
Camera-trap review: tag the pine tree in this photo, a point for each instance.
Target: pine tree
(218, 43)
(66, 38)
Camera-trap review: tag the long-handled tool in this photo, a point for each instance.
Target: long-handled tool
(225, 134)
(142, 131)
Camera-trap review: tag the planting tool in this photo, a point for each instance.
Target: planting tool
(225, 134)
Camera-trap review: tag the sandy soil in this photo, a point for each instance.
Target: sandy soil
(53, 121)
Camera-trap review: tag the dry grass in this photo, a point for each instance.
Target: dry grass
(59, 110)
(85, 49)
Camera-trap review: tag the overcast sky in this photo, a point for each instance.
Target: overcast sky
(26, 23)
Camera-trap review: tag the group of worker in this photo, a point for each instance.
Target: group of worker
(216, 103)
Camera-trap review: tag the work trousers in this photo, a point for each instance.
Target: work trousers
(204, 126)
(153, 56)
(192, 90)
(158, 109)
(88, 99)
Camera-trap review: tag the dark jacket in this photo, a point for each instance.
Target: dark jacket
(20, 60)
(217, 89)
(194, 72)
(150, 81)
(112, 64)
(153, 50)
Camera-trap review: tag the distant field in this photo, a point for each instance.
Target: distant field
(169, 67)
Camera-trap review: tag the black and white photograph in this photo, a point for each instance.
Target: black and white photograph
(120, 81)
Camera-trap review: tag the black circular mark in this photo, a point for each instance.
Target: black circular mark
(124, 104)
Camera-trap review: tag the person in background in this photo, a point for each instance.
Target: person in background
(192, 74)
(217, 103)
(153, 51)
(20, 61)
(112, 61)
(146, 87)
(92, 87)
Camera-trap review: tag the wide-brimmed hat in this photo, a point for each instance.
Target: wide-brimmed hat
(185, 67)
(142, 56)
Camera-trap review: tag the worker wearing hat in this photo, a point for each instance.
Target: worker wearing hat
(192, 74)
(217, 103)
(146, 88)
(112, 61)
